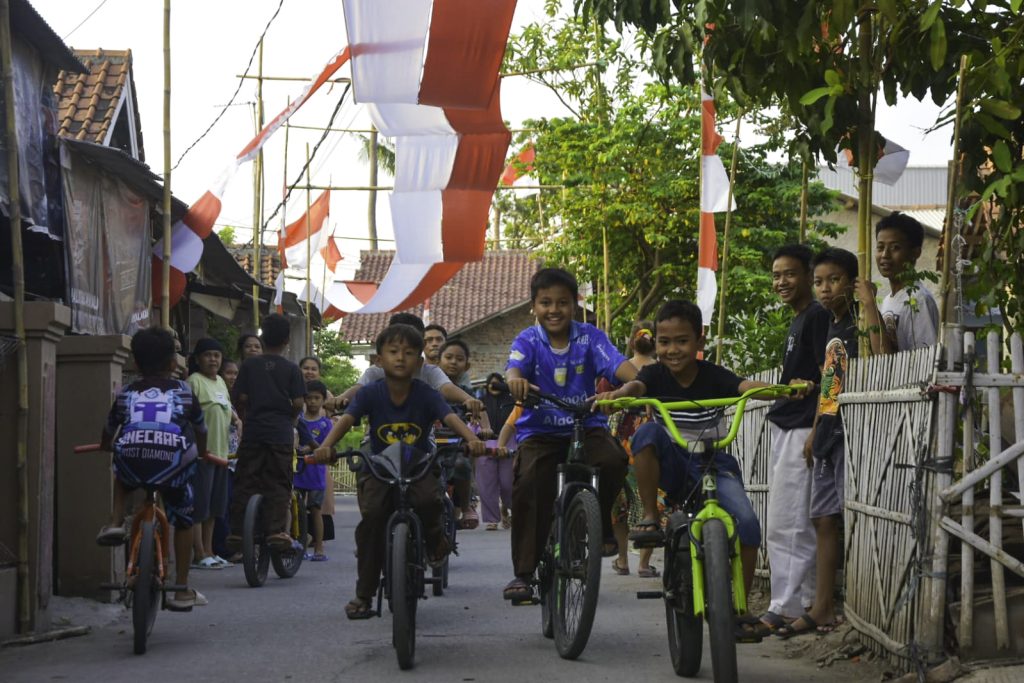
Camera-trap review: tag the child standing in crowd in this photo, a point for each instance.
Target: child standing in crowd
(229, 371)
(494, 473)
(310, 482)
(454, 362)
(156, 402)
(908, 317)
(311, 368)
(563, 358)
(270, 394)
(401, 409)
(790, 537)
(211, 482)
(249, 346)
(835, 271)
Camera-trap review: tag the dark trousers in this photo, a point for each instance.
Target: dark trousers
(376, 503)
(534, 489)
(265, 469)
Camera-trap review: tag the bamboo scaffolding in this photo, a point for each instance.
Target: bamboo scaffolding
(257, 199)
(1017, 366)
(803, 200)
(371, 216)
(725, 242)
(995, 491)
(18, 284)
(309, 261)
(947, 229)
(967, 518)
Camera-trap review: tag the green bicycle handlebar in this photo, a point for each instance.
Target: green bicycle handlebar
(770, 392)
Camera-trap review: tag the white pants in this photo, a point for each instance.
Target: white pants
(790, 537)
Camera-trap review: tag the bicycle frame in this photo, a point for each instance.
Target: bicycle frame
(710, 509)
(150, 512)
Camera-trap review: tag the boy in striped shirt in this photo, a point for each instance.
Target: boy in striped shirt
(661, 462)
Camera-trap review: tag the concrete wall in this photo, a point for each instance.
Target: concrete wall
(489, 342)
(45, 324)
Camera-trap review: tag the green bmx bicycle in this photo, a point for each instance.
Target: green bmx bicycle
(703, 577)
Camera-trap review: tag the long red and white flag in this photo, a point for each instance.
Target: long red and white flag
(187, 235)
(714, 198)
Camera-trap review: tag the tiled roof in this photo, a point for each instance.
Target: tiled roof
(479, 291)
(88, 103)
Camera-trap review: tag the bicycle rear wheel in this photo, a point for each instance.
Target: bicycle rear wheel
(255, 552)
(146, 591)
(545, 590)
(577, 576)
(718, 596)
(287, 564)
(403, 596)
(685, 629)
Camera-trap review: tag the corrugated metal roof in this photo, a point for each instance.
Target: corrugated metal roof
(27, 24)
(920, 187)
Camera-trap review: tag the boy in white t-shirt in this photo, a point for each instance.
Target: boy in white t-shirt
(908, 317)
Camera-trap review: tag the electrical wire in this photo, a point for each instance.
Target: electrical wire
(237, 90)
(87, 18)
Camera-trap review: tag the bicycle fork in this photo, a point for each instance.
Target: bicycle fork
(712, 510)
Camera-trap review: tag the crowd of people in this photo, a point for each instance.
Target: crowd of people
(263, 407)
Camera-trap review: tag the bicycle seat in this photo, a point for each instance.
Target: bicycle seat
(401, 461)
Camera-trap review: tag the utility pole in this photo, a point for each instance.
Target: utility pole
(165, 280)
(371, 218)
(257, 200)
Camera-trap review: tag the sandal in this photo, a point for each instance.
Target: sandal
(746, 629)
(185, 604)
(470, 520)
(825, 629)
(492, 526)
(111, 535)
(649, 572)
(647, 534)
(619, 569)
(319, 557)
(792, 629)
(518, 590)
(358, 608)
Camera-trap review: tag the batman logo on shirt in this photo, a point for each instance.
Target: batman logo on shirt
(399, 432)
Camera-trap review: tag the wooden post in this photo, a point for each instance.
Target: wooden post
(947, 229)
(865, 160)
(966, 628)
(724, 266)
(995, 500)
(803, 201)
(18, 283)
(604, 279)
(309, 262)
(371, 217)
(257, 200)
(165, 265)
(1017, 367)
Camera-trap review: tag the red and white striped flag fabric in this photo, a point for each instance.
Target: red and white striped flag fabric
(187, 235)
(714, 197)
(292, 242)
(428, 69)
(520, 167)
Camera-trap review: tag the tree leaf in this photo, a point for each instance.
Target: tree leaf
(832, 77)
(937, 46)
(928, 18)
(812, 96)
(1001, 156)
(1000, 108)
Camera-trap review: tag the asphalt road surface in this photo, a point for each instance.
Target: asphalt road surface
(296, 630)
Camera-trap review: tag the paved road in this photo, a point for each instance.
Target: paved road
(295, 630)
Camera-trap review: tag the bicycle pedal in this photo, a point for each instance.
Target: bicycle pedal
(174, 588)
(649, 595)
(525, 603)
(648, 545)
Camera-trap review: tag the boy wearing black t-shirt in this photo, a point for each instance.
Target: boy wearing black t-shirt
(790, 537)
(661, 462)
(401, 410)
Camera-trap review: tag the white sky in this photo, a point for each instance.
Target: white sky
(210, 45)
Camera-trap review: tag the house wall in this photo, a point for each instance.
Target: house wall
(489, 342)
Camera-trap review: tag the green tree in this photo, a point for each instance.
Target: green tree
(336, 369)
(227, 235)
(629, 163)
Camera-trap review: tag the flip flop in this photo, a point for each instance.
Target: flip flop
(649, 572)
(746, 630)
(790, 630)
(358, 609)
(619, 569)
(825, 629)
(646, 534)
(517, 590)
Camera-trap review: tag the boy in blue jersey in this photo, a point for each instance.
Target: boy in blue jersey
(564, 358)
(401, 409)
(311, 482)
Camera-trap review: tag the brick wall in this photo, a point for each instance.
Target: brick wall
(489, 342)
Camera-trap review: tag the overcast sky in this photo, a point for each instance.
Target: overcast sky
(210, 44)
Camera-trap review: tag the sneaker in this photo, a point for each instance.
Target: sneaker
(221, 561)
(200, 599)
(207, 563)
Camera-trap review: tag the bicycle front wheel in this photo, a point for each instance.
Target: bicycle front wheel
(146, 591)
(403, 596)
(545, 588)
(255, 552)
(718, 597)
(286, 564)
(577, 579)
(685, 628)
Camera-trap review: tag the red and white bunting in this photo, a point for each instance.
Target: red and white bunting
(187, 235)
(714, 197)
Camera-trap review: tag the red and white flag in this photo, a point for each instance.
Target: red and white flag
(890, 161)
(520, 167)
(714, 197)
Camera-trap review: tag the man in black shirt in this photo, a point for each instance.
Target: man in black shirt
(790, 538)
(269, 394)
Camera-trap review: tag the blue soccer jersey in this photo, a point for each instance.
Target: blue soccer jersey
(570, 374)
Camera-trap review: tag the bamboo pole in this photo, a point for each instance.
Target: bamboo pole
(604, 278)
(18, 282)
(865, 162)
(257, 200)
(371, 215)
(309, 262)
(995, 500)
(803, 200)
(1017, 367)
(966, 630)
(954, 171)
(284, 196)
(165, 265)
(725, 242)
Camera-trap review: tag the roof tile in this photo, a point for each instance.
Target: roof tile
(479, 291)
